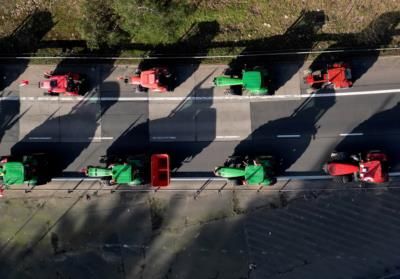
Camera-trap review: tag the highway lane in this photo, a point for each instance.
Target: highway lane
(200, 134)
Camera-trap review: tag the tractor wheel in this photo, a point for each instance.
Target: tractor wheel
(235, 182)
(339, 156)
(140, 89)
(307, 72)
(342, 179)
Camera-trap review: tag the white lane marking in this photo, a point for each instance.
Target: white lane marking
(101, 138)
(227, 137)
(256, 54)
(288, 136)
(351, 134)
(40, 138)
(163, 138)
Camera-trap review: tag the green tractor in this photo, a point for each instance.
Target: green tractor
(133, 170)
(252, 81)
(28, 170)
(257, 171)
(119, 171)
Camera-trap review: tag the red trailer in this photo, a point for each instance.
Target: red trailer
(160, 170)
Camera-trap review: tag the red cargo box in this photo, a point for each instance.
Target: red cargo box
(160, 171)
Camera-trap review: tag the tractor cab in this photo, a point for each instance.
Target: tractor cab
(252, 81)
(28, 170)
(246, 171)
(68, 84)
(333, 76)
(155, 79)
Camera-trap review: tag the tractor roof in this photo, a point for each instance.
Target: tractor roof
(14, 173)
(122, 174)
(254, 174)
(252, 80)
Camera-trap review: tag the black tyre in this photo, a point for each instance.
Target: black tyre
(140, 89)
(342, 179)
(235, 182)
(339, 156)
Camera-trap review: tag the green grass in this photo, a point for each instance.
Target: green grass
(251, 24)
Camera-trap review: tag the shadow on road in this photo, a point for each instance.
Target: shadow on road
(302, 122)
(182, 131)
(379, 132)
(69, 130)
(24, 39)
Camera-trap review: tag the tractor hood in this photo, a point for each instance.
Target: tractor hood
(227, 172)
(227, 81)
(336, 169)
(98, 172)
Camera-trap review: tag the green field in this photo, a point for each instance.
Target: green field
(214, 27)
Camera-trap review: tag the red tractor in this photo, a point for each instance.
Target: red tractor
(371, 167)
(159, 79)
(337, 75)
(68, 84)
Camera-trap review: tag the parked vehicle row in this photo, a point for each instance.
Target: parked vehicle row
(250, 81)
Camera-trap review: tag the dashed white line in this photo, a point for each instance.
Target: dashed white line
(288, 136)
(163, 138)
(101, 138)
(351, 134)
(227, 137)
(40, 138)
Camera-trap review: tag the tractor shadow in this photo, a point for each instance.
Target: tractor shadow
(303, 32)
(181, 130)
(380, 132)
(67, 132)
(378, 34)
(303, 122)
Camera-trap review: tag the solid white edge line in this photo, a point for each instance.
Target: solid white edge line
(202, 56)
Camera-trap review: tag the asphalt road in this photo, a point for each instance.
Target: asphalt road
(195, 124)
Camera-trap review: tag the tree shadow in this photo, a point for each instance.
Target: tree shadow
(287, 137)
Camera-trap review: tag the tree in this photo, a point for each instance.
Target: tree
(153, 21)
(99, 25)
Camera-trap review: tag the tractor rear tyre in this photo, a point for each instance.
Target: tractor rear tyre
(235, 182)
(339, 156)
(342, 179)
